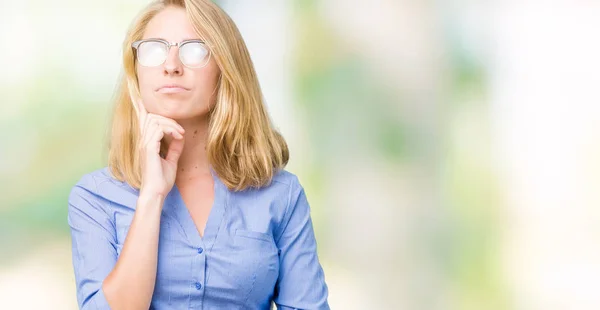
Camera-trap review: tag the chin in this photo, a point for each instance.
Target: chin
(182, 111)
(176, 114)
(169, 107)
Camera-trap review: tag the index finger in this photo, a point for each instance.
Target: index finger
(142, 112)
(138, 106)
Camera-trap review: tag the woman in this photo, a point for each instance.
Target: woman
(194, 210)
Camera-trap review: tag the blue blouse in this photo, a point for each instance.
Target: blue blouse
(258, 246)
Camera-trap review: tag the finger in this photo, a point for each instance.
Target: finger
(175, 150)
(153, 137)
(167, 130)
(167, 121)
(171, 132)
(132, 97)
(168, 127)
(138, 106)
(142, 108)
(149, 119)
(142, 112)
(150, 132)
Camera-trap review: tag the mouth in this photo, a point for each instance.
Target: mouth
(171, 89)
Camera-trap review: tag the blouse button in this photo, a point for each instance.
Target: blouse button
(198, 285)
(200, 250)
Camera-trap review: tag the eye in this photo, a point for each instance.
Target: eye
(152, 53)
(194, 54)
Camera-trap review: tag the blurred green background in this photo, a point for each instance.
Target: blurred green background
(449, 149)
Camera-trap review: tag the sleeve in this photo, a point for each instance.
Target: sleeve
(301, 283)
(93, 240)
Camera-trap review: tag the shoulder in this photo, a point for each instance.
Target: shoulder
(270, 201)
(282, 185)
(287, 179)
(99, 177)
(101, 185)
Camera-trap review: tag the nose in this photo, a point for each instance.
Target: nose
(173, 65)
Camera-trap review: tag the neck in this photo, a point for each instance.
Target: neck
(193, 162)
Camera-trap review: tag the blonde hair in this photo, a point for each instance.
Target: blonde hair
(243, 148)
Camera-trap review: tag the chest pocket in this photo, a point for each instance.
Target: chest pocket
(255, 263)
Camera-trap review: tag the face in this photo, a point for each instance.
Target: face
(172, 89)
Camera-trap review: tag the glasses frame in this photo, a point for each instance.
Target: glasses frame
(137, 44)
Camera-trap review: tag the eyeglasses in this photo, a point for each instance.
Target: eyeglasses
(154, 52)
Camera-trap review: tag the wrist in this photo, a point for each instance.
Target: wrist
(150, 198)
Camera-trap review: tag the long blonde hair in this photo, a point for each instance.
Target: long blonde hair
(243, 148)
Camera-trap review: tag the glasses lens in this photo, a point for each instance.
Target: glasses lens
(152, 53)
(194, 54)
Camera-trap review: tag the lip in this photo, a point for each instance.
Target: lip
(171, 88)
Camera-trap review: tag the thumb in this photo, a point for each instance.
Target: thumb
(174, 151)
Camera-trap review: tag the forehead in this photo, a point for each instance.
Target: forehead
(171, 24)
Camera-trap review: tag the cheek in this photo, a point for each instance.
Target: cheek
(146, 82)
(144, 79)
(209, 75)
(206, 84)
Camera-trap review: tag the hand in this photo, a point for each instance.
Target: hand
(158, 173)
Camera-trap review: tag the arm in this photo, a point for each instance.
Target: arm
(101, 278)
(301, 283)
